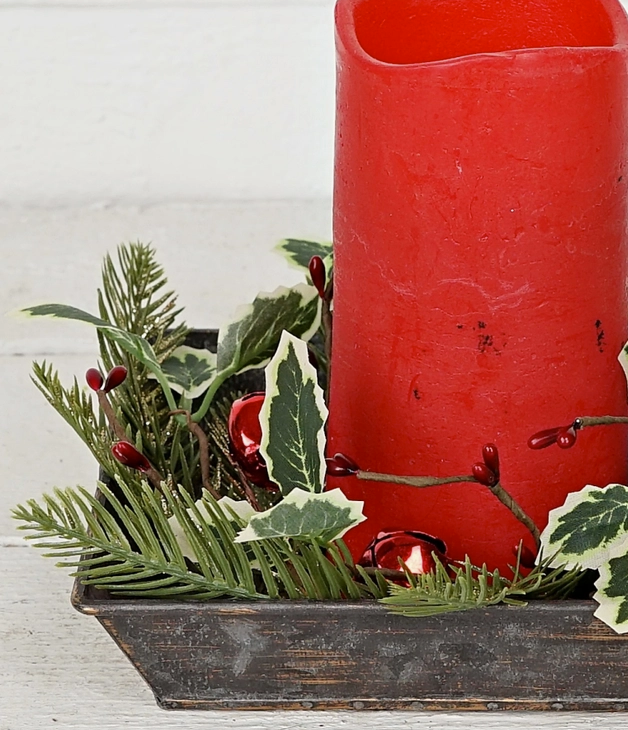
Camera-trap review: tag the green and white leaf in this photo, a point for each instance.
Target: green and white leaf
(190, 371)
(324, 517)
(237, 511)
(590, 528)
(293, 418)
(135, 345)
(250, 340)
(612, 594)
(298, 252)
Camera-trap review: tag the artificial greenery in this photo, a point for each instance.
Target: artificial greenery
(127, 543)
(462, 587)
(191, 524)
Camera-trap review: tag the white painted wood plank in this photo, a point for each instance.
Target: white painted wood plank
(58, 669)
(146, 104)
(217, 256)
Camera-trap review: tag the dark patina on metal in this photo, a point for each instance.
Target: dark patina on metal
(279, 655)
(308, 655)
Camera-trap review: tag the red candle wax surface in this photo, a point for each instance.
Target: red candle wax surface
(480, 273)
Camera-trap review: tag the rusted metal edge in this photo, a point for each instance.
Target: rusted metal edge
(409, 705)
(84, 602)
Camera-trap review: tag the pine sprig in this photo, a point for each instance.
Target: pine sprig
(127, 545)
(75, 406)
(466, 586)
(134, 298)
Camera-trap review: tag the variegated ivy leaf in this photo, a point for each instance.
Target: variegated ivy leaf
(135, 345)
(241, 509)
(590, 527)
(612, 594)
(293, 418)
(251, 339)
(298, 252)
(190, 371)
(324, 517)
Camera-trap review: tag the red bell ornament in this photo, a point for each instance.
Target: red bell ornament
(480, 255)
(245, 436)
(414, 548)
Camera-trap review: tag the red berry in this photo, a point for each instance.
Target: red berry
(484, 475)
(317, 272)
(245, 436)
(566, 438)
(115, 377)
(414, 548)
(543, 439)
(527, 558)
(491, 458)
(94, 379)
(341, 466)
(128, 455)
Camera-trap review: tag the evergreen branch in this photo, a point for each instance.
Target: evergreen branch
(126, 544)
(75, 406)
(464, 587)
(133, 297)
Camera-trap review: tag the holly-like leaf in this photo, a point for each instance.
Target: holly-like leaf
(190, 371)
(298, 252)
(251, 339)
(238, 511)
(64, 311)
(590, 527)
(293, 418)
(612, 594)
(324, 517)
(135, 345)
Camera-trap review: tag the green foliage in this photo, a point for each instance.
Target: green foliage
(126, 544)
(298, 252)
(190, 371)
(293, 420)
(612, 593)
(467, 587)
(75, 406)
(138, 347)
(322, 517)
(589, 527)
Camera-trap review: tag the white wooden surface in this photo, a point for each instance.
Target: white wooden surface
(59, 669)
(165, 100)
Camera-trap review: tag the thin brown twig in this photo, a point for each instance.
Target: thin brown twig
(246, 487)
(203, 444)
(508, 501)
(421, 482)
(107, 409)
(586, 421)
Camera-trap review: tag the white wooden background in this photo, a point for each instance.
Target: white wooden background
(204, 126)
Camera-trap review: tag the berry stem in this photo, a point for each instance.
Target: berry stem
(508, 501)
(203, 450)
(421, 482)
(246, 488)
(107, 409)
(586, 421)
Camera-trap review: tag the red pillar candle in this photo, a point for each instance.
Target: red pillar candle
(480, 274)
